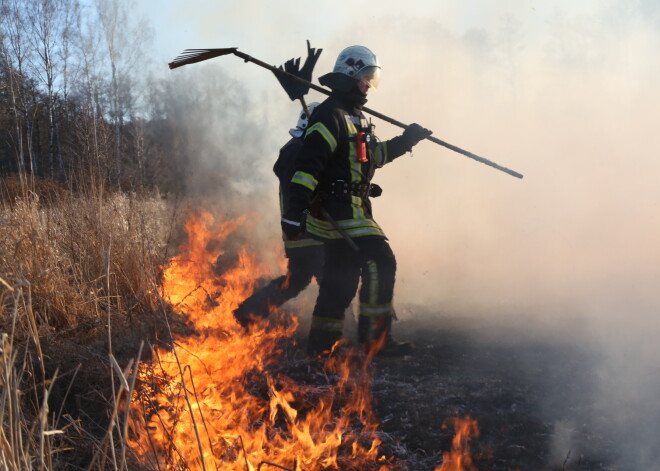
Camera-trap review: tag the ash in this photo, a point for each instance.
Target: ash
(535, 398)
(532, 396)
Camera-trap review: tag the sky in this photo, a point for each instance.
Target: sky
(564, 92)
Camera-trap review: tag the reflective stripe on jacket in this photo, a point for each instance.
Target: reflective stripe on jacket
(329, 153)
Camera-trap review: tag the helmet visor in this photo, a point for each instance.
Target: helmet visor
(370, 75)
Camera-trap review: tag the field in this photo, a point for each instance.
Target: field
(98, 297)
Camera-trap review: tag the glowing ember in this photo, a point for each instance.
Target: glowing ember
(458, 459)
(210, 402)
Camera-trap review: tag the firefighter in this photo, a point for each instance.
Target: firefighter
(328, 197)
(305, 255)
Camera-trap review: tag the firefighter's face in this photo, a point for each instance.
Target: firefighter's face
(363, 85)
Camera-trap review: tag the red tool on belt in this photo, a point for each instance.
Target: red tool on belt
(362, 147)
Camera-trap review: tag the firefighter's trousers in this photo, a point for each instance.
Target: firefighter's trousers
(375, 266)
(304, 263)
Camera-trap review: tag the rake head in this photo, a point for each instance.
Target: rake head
(190, 56)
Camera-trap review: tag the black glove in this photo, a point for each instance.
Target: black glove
(307, 68)
(415, 133)
(295, 89)
(293, 225)
(375, 190)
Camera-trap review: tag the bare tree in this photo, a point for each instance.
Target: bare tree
(124, 39)
(87, 48)
(72, 100)
(47, 24)
(14, 50)
(69, 68)
(10, 83)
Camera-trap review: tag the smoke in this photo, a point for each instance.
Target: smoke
(565, 94)
(221, 133)
(575, 243)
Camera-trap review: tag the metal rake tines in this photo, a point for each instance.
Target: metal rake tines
(190, 56)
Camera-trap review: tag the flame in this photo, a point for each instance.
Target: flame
(458, 459)
(211, 400)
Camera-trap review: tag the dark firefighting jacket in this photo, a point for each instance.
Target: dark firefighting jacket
(284, 170)
(327, 172)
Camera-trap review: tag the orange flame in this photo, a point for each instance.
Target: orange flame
(458, 459)
(209, 401)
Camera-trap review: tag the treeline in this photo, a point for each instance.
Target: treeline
(76, 102)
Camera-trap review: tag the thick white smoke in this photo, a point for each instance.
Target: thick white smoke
(565, 94)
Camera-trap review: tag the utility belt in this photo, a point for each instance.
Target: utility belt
(363, 190)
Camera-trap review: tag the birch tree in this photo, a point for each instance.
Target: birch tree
(46, 24)
(88, 44)
(14, 50)
(124, 40)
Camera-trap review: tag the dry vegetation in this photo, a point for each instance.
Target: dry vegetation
(80, 307)
(77, 293)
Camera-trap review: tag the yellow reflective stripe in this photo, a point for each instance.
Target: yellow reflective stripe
(381, 154)
(305, 179)
(376, 310)
(356, 204)
(352, 130)
(327, 323)
(335, 235)
(327, 135)
(372, 280)
(353, 227)
(343, 223)
(356, 167)
(296, 244)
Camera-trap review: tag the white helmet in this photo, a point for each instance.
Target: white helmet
(359, 63)
(303, 119)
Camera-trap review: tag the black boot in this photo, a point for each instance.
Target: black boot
(320, 342)
(252, 309)
(375, 334)
(395, 348)
(257, 306)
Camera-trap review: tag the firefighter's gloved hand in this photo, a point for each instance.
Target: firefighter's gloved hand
(293, 225)
(415, 133)
(375, 190)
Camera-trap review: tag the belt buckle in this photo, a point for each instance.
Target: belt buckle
(337, 187)
(344, 187)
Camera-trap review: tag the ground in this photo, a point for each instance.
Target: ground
(545, 393)
(531, 394)
(519, 392)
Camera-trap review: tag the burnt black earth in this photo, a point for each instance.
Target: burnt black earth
(534, 396)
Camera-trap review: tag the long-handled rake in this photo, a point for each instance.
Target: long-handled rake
(191, 56)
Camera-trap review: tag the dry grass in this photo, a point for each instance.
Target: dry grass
(78, 274)
(83, 254)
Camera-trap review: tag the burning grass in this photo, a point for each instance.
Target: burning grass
(86, 281)
(226, 398)
(217, 399)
